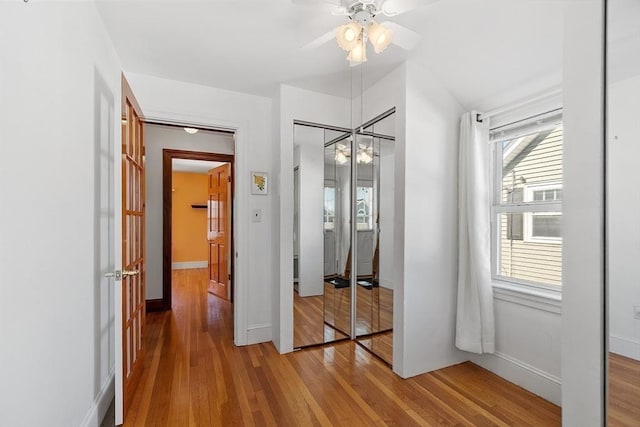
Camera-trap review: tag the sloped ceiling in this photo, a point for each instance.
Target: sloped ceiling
(479, 49)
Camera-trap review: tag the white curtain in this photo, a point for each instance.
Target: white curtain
(475, 330)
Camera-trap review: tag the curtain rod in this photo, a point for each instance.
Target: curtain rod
(480, 117)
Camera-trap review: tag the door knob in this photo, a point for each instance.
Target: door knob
(127, 273)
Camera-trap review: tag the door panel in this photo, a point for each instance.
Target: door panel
(218, 215)
(130, 319)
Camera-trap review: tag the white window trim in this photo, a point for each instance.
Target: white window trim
(524, 287)
(554, 207)
(331, 183)
(370, 222)
(529, 296)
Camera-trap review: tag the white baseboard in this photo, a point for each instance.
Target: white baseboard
(101, 403)
(624, 346)
(189, 265)
(386, 283)
(537, 381)
(259, 333)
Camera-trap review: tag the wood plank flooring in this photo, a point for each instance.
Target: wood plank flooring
(314, 316)
(624, 391)
(194, 376)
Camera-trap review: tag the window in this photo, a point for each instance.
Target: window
(544, 227)
(329, 208)
(527, 203)
(364, 208)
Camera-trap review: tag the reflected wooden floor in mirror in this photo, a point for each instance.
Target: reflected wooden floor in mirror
(374, 310)
(374, 314)
(381, 345)
(195, 376)
(624, 391)
(309, 327)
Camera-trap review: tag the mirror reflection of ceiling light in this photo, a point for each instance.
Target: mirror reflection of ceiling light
(191, 131)
(364, 155)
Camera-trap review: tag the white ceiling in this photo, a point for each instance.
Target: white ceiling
(479, 49)
(193, 166)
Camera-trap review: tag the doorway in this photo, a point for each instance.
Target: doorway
(216, 217)
(166, 143)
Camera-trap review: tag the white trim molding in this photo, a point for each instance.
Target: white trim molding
(540, 299)
(624, 346)
(537, 381)
(259, 333)
(101, 403)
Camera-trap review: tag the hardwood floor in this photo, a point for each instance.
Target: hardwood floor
(319, 319)
(624, 391)
(380, 345)
(194, 376)
(309, 327)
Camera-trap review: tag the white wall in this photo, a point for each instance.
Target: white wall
(387, 211)
(582, 226)
(426, 194)
(290, 104)
(158, 138)
(60, 103)
(250, 116)
(623, 198)
(310, 146)
(528, 342)
(344, 225)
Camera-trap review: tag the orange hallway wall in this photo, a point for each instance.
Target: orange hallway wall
(189, 225)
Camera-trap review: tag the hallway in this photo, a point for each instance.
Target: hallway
(194, 376)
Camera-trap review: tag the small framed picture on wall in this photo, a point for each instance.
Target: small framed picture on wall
(259, 183)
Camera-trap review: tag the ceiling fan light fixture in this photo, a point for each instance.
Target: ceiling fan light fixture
(358, 54)
(379, 36)
(348, 35)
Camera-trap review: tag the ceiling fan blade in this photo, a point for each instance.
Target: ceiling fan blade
(402, 36)
(320, 40)
(337, 6)
(396, 7)
(313, 2)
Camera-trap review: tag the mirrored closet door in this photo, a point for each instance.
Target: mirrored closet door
(321, 237)
(375, 145)
(623, 206)
(340, 173)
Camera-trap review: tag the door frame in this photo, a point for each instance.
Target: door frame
(167, 204)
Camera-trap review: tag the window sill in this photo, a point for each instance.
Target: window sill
(541, 299)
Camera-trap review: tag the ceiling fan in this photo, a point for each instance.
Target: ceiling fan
(363, 27)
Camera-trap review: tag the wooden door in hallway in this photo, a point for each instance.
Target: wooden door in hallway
(218, 220)
(130, 357)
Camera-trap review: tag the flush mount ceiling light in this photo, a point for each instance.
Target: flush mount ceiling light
(191, 131)
(363, 27)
